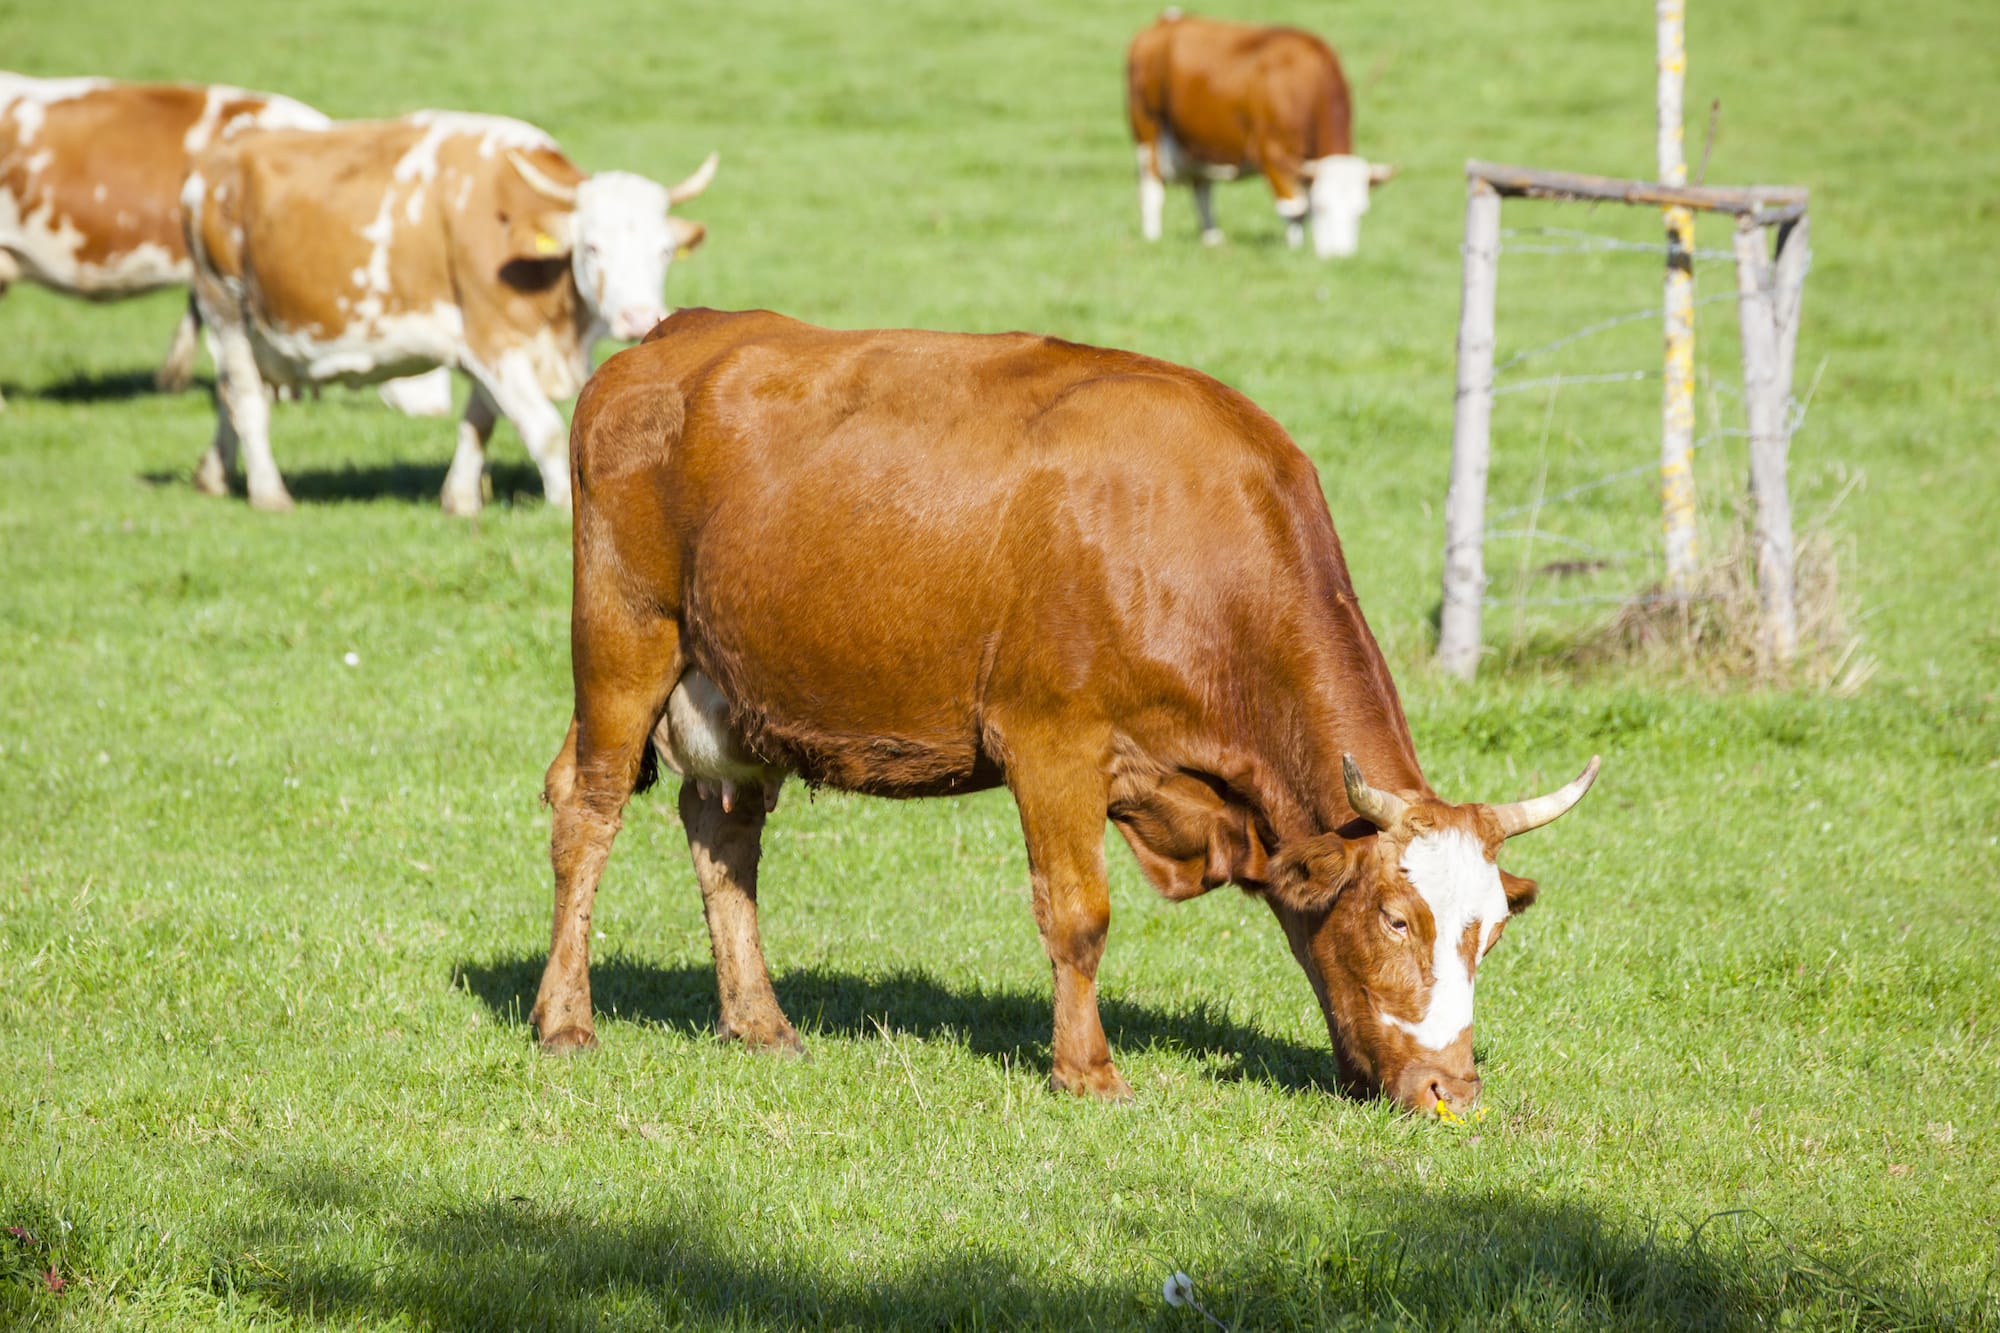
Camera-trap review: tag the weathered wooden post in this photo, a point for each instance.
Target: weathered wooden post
(1677, 392)
(1766, 401)
(1471, 436)
(1788, 298)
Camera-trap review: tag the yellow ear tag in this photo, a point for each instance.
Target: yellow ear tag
(545, 244)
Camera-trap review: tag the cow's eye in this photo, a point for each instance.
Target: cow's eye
(1395, 925)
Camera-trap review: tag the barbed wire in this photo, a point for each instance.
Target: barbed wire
(1587, 242)
(1558, 381)
(1601, 326)
(1610, 479)
(1574, 543)
(1597, 599)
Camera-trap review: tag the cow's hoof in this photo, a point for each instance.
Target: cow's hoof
(209, 478)
(462, 506)
(568, 1041)
(274, 503)
(774, 1038)
(1103, 1083)
(1213, 236)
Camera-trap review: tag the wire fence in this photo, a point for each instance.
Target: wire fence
(1598, 557)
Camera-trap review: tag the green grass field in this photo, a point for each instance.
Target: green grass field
(270, 923)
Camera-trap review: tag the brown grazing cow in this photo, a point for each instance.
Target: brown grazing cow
(376, 249)
(90, 182)
(1210, 101)
(920, 564)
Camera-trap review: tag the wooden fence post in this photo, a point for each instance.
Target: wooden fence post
(1788, 296)
(1471, 431)
(1767, 410)
(1677, 511)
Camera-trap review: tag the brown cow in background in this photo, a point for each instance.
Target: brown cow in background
(90, 183)
(1210, 101)
(920, 564)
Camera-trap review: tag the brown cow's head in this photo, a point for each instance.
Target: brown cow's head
(619, 237)
(1391, 928)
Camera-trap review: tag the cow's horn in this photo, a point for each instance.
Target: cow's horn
(1380, 808)
(1381, 173)
(1521, 816)
(694, 184)
(539, 182)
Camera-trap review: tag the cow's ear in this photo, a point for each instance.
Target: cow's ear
(1309, 875)
(1520, 893)
(539, 237)
(687, 235)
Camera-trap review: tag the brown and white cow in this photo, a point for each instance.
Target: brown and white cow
(921, 564)
(1210, 101)
(90, 182)
(375, 249)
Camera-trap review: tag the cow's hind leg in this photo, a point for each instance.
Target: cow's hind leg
(10, 271)
(1063, 803)
(177, 371)
(243, 416)
(624, 672)
(726, 845)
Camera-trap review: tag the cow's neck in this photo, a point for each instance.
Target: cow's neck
(1350, 707)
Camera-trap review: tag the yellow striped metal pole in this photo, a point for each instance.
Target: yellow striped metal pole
(1677, 395)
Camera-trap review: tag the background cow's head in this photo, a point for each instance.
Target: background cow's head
(1338, 198)
(619, 236)
(1391, 927)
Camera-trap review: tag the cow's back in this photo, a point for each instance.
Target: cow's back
(365, 262)
(935, 530)
(1237, 93)
(91, 172)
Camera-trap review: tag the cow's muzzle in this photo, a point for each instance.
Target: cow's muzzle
(634, 324)
(1422, 1087)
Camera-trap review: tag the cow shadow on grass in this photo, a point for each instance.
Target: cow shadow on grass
(411, 483)
(1013, 1025)
(415, 483)
(332, 1243)
(114, 386)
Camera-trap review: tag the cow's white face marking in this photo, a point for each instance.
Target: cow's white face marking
(1339, 198)
(623, 244)
(1461, 888)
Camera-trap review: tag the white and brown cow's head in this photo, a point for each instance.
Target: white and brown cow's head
(618, 233)
(1337, 197)
(1391, 928)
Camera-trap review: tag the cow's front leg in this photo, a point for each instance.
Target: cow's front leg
(1152, 194)
(1204, 211)
(726, 845)
(462, 496)
(516, 391)
(1062, 818)
(1293, 201)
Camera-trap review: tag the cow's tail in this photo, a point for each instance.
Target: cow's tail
(177, 371)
